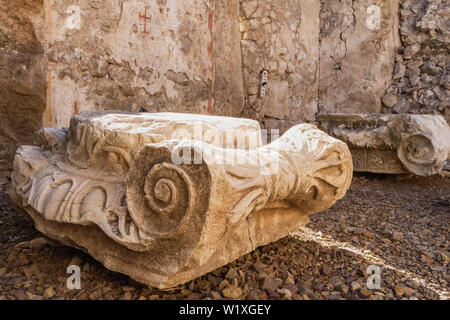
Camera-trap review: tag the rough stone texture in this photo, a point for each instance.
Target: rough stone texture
(422, 84)
(281, 37)
(334, 241)
(129, 55)
(59, 58)
(112, 185)
(356, 62)
(22, 76)
(228, 83)
(417, 144)
(185, 57)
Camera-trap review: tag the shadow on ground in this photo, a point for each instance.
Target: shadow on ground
(401, 225)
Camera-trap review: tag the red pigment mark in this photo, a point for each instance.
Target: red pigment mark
(75, 107)
(145, 18)
(211, 52)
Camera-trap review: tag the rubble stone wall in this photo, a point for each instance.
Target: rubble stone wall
(356, 54)
(22, 75)
(131, 55)
(279, 62)
(281, 38)
(421, 80)
(61, 57)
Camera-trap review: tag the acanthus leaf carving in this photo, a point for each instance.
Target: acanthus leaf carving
(165, 222)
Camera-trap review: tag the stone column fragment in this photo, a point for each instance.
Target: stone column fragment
(164, 209)
(417, 144)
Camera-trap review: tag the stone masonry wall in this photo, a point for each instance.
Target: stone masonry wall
(281, 38)
(22, 75)
(61, 57)
(139, 55)
(421, 80)
(356, 58)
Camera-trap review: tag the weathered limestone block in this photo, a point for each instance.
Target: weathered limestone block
(281, 38)
(177, 56)
(417, 144)
(22, 76)
(423, 85)
(59, 58)
(165, 198)
(358, 43)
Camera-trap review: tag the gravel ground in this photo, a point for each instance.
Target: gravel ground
(402, 226)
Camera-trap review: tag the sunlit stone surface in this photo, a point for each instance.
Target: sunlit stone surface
(404, 143)
(166, 198)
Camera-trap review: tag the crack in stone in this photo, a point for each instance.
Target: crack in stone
(341, 35)
(120, 16)
(250, 234)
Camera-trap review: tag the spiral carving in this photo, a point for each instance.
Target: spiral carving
(163, 197)
(417, 154)
(167, 192)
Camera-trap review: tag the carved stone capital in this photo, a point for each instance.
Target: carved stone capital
(406, 143)
(165, 198)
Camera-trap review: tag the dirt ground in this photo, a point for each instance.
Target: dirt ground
(400, 226)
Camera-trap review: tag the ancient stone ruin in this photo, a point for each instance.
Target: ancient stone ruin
(125, 132)
(165, 210)
(396, 144)
(59, 58)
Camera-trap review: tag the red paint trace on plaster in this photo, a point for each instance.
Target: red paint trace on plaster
(145, 18)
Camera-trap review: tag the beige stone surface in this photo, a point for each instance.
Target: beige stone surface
(356, 61)
(124, 55)
(423, 85)
(22, 75)
(282, 38)
(129, 55)
(417, 144)
(165, 198)
(59, 58)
